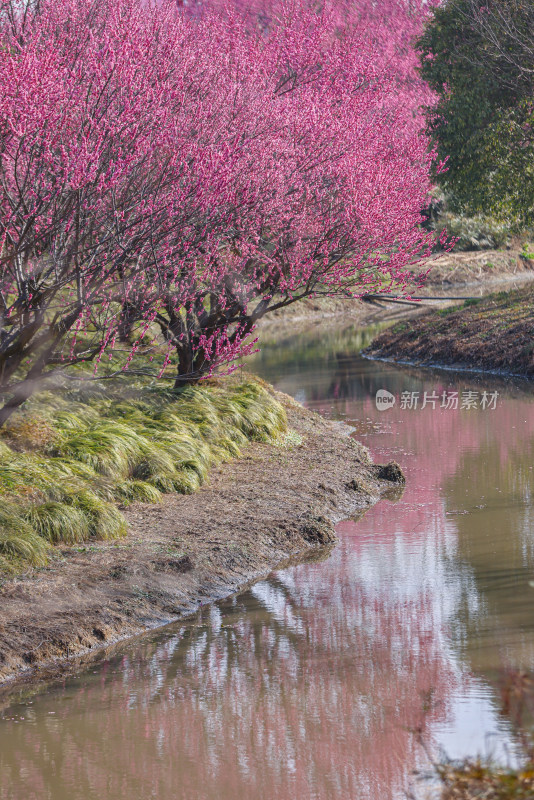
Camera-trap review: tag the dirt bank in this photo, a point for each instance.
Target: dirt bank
(272, 504)
(494, 334)
(458, 274)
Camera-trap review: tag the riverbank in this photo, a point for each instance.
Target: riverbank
(464, 274)
(492, 335)
(279, 500)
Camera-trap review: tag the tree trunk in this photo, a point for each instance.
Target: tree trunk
(185, 373)
(14, 402)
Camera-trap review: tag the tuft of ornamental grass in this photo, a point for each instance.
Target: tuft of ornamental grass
(19, 541)
(98, 447)
(109, 447)
(135, 491)
(104, 519)
(59, 522)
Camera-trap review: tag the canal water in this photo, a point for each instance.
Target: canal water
(324, 681)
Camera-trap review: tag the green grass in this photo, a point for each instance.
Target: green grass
(444, 312)
(70, 458)
(472, 301)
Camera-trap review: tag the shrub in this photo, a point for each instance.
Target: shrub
(474, 233)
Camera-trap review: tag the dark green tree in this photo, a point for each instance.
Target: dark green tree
(478, 56)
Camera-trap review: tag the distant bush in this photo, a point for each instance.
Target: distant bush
(477, 57)
(474, 233)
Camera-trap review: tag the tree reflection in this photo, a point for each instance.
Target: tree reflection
(308, 685)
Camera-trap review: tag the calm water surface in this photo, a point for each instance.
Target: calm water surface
(311, 684)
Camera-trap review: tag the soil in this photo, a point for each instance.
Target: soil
(257, 512)
(494, 335)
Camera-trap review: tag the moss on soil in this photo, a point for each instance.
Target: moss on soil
(495, 334)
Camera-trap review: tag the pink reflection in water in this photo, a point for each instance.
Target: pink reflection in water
(310, 685)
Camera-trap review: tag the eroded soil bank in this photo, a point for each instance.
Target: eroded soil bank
(492, 335)
(272, 504)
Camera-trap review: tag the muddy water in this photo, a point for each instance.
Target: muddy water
(318, 682)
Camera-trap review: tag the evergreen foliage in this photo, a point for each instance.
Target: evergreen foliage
(477, 56)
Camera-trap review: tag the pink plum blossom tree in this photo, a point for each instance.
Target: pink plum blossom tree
(333, 165)
(190, 172)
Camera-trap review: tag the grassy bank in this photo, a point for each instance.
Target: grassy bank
(495, 333)
(70, 459)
